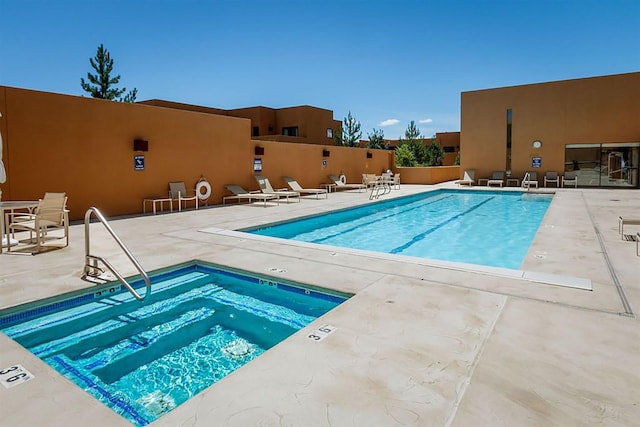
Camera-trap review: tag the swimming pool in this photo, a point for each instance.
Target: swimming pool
(493, 228)
(200, 323)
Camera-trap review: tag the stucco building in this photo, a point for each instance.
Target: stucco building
(589, 125)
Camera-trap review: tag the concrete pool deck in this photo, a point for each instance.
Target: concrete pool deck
(418, 344)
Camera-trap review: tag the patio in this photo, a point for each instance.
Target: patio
(418, 344)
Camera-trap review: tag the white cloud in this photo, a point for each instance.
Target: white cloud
(425, 121)
(389, 122)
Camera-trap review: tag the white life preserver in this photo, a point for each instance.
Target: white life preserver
(343, 178)
(207, 190)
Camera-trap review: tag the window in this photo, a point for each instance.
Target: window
(449, 149)
(329, 133)
(255, 131)
(509, 124)
(290, 131)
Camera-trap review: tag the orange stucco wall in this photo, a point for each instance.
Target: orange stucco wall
(430, 175)
(84, 147)
(591, 110)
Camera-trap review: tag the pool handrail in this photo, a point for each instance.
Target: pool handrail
(91, 268)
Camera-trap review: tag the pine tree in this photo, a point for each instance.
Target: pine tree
(415, 143)
(376, 139)
(350, 133)
(102, 85)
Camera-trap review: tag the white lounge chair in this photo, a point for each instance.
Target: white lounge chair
(339, 184)
(240, 193)
(497, 178)
(469, 178)
(551, 177)
(266, 188)
(570, 178)
(293, 184)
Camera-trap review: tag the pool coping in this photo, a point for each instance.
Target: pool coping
(530, 276)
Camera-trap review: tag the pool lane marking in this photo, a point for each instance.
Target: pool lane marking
(91, 385)
(373, 221)
(424, 234)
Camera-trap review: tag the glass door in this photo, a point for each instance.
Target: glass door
(613, 165)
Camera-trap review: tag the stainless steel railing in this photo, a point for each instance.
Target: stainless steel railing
(91, 268)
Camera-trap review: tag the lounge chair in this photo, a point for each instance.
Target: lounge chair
(551, 177)
(50, 214)
(530, 180)
(469, 178)
(570, 178)
(628, 221)
(266, 188)
(293, 184)
(178, 192)
(339, 184)
(497, 178)
(240, 193)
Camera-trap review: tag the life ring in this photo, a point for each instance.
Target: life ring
(343, 178)
(207, 190)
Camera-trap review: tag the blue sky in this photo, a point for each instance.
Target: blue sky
(388, 62)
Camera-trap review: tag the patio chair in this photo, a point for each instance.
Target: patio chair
(396, 181)
(240, 193)
(551, 177)
(293, 184)
(622, 221)
(497, 178)
(570, 178)
(50, 214)
(266, 188)
(469, 178)
(369, 179)
(26, 216)
(530, 180)
(178, 192)
(339, 184)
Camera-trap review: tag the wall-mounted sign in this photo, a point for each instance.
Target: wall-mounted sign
(257, 164)
(536, 162)
(138, 162)
(324, 163)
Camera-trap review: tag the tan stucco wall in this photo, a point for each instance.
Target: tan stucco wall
(591, 110)
(430, 175)
(84, 147)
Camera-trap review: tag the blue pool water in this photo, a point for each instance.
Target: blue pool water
(490, 228)
(199, 324)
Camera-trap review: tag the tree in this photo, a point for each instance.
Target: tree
(434, 154)
(414, 141)
(102, 85)
(350, 134)
(376, 139)
(457, 162)
(404, 156)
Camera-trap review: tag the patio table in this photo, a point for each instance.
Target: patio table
(10, 206)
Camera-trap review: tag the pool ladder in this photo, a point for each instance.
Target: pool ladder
(525, 181)
(93, 273)
(383, 185)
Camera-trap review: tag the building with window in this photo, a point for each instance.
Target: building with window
(590, 126)
(302, 124)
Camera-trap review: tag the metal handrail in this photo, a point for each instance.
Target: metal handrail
(525, 179)
(91, 268)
